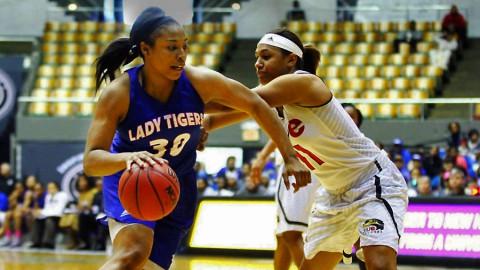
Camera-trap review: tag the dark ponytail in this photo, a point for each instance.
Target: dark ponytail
(118, 53)
(311, 56)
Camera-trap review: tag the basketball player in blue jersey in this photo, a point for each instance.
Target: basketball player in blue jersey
(362, 194)
(152, 114)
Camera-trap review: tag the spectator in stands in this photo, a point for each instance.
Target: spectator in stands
(398, 149)
(446, 46)
(410, 36)
(471, 147)
(448, 166)
(268, 184)
(3, 212)
(7, 181)
(233, 185)
(229, 170)
(432, 162)
(458, 21)
(455, 136)
(251, 189)
(458, 160)
(14, 216)
(204, 189)
(472, 188)
(456, 183)
(296, 13)
(101, 232)
(415, 174)
(200, 170)
(424, 187)
(222, 187)
(86, 219)
(44, 230)
(245, 171)
(417, 164)
(398, 160)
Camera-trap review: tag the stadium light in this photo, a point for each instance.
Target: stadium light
(72, 6)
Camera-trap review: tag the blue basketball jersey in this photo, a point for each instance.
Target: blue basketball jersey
(171, 130)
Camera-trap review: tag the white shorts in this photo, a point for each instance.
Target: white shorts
(293, 209)
(373, 210)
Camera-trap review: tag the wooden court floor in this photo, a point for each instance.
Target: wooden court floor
(25, 259)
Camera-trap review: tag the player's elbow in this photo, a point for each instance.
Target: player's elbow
(88, 166)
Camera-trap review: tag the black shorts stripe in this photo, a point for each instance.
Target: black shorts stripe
(291, 222)
(385, 202)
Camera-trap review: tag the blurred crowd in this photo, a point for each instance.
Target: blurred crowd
(35, 215)
(450, 168)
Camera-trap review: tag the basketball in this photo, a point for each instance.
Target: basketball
(149, 193)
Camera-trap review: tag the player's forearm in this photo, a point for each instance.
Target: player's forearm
(216, 121)
(272, 125)
(102, 163)
(266, 150)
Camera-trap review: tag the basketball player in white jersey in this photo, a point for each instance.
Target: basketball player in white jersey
(362, 193)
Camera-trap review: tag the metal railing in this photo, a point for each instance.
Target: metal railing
(472, 102)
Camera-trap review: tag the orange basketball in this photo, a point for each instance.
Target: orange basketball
(149, 193)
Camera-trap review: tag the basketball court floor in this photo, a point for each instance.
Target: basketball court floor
(27, 259)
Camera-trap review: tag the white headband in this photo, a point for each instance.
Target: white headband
(281, 42)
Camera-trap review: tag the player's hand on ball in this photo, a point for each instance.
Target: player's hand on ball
(143, 159)
(295, 168)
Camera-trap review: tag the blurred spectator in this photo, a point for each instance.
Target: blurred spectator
(3, 212)
(45, 226)
(433, 162)
(200, 170)
(415, 174)
(232, 184)
(472, 188)
(14, 216)
(296, 13)
(229, 170)
(471, 147)
(446, 45)
(456, 183)
(204, 189)
(424, 187)
(410, 36)
(455, 136)
(77, 219)
(245, 171)
(398, 160)
(448, 166)
(459, 24)
(458, 160)
(7, 181)
(268, 184)
(417, 163)
(222, 188)
(398, 149)
(86, 219)
(98, 210)
(251, 189)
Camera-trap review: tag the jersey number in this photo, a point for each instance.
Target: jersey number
(304, 159)
(178, 144)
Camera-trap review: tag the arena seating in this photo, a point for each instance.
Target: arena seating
(69, 50)
(358, 61)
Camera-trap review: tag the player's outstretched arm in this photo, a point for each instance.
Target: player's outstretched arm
(260, 160)
(214, 87)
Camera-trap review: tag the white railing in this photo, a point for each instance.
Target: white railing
(472, 102)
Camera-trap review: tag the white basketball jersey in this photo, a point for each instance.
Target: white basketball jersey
(329, 143)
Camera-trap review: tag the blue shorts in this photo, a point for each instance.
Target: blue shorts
(168, 231)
